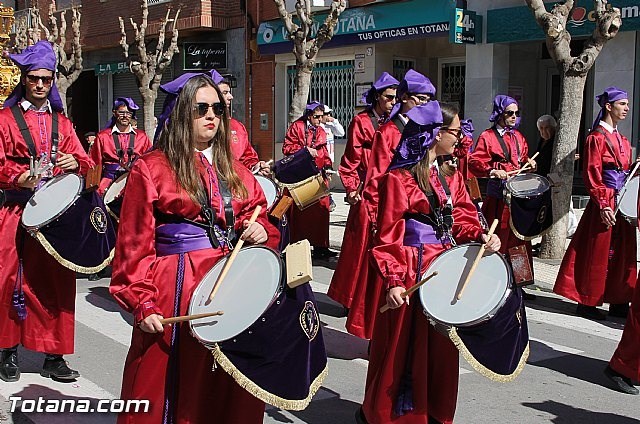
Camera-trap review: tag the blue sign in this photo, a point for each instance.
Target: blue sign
(466, 27)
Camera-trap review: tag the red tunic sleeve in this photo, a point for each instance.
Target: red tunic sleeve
(240, 145)
(70, 143)
(466, 226)
(97, 148)
(294, 139)
(355, 160)
(488, 154)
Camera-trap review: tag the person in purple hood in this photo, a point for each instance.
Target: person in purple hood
(37, 300)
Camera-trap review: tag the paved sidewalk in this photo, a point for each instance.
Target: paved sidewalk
(545, 270)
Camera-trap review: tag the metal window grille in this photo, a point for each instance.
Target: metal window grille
(154, 2)
(452, 89)
(401, 66)
(331, 84)
(67, 4)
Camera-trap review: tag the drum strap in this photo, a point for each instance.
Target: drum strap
(610, 146)
(26, 134)
(505, 149)
(443, 215)
(399, 124)
(119, 151)
(229, 216)
(374, 120)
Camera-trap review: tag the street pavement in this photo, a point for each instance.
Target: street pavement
(562, 382)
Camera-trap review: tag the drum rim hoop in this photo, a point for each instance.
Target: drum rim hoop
(528, 176)
(66, 207)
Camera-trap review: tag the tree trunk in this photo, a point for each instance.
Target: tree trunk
(63, 85)
(301, 90)
(564, 149)
(149, 98)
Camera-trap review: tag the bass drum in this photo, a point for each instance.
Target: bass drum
(113, 195)
(269, 188)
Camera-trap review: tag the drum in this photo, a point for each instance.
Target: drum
(628, 199)
(73, 226)
(484, 295)
(269, 188)
(296, 167)
(529, 200)
(250, 287)
(113, 196)
(308, 192)
(266, 332)
(488, 323)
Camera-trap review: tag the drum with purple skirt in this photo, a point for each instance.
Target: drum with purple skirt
(529, 200)
(266, 331)
(71, 224)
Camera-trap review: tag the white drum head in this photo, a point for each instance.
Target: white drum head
(484, 294)
(53, 198)
(525, 185)
(270, 189)
(115, 188)
(253, 282)
(629, 200)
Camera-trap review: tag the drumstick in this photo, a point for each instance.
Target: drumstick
(494, 224)
(525, 167)
(232, 258)
(410, 291)
(635, 168)
(267, 164)
(171, 320)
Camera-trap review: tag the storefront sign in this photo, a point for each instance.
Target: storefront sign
(466, 27)
(384, 22)
(205, 56)
(111, 68)
(518, 24)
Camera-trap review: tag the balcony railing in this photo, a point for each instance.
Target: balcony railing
(21, 17)
(154, 2)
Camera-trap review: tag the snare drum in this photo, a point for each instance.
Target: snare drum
(628, 199)
(269, 188)
(113, 196)
(309, 191)
(529, 200)
(71, 225)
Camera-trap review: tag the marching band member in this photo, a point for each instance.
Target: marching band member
(190, 177)
(119, 144)
(37, 301)
(414, 90)
(313, 222)
(498, 151)
(408, 355)
(604, 241)
(353, 259)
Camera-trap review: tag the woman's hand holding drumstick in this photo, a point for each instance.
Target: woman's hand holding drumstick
(494, 224)
(182, 318)
(409, 291)
(527, 166)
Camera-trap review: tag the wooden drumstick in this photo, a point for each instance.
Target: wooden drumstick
(232, 258)
(267, 164)
(408, 292)
(171, 320)
(525, 167)
(494, 224)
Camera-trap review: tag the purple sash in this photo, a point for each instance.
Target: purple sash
(111, 170)
(495, 188)
(417, 233)
(612, 178)
(173, 239)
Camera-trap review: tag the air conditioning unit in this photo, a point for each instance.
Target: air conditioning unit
(316, 5)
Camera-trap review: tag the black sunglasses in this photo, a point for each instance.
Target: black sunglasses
(512, 112)
(317, 116)
(389, 97)
(202, 108)
(33, 79)
(456, 132)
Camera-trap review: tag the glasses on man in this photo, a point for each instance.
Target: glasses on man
(512, 112)
(202, 108)
(33, 79)
(317, 116)
(123, 113)
(389, 97)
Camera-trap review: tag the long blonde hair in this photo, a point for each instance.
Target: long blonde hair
(178, 142)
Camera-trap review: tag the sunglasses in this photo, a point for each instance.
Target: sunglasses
(33, 79)
(389, 97)
(202, 108)
(456, 132)
(123, 113)
(317, 116)
(512, 112)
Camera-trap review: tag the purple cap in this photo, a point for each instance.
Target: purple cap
(500, 103)
(610, 95)
(385, 81)
(416, 83)
(311, 106)
(38, 56)
(173, 89)
(418, 136)
(122, 101)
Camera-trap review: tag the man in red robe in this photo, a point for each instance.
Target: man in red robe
(311, 223)
(352, 263)
(600, 262)
(37, 300)
(118, 145)
(414, 90)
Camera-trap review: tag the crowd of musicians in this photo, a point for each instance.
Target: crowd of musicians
(181, 200)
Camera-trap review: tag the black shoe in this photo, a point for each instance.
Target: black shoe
(590, 312)
(57, 369)
(9, 370)
(528, 296)
(620, 310)
(621, 382)
(360, 418)
(323, 253)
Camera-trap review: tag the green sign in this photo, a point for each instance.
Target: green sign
(465, 27)
(111, 68)
(518, 24)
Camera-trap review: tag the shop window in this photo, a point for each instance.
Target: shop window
(451, 88)
(401, 66)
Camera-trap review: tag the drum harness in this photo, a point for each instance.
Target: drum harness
(18, 293)
(130, 152)
(619, 167)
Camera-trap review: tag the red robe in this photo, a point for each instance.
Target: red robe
(353, 170)
(240, 146)
(610, 253)
(434, 362)
(488, 155)
(626, 359)
(103, 151)
(49, 288)
(139, 276)
(313, 222)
